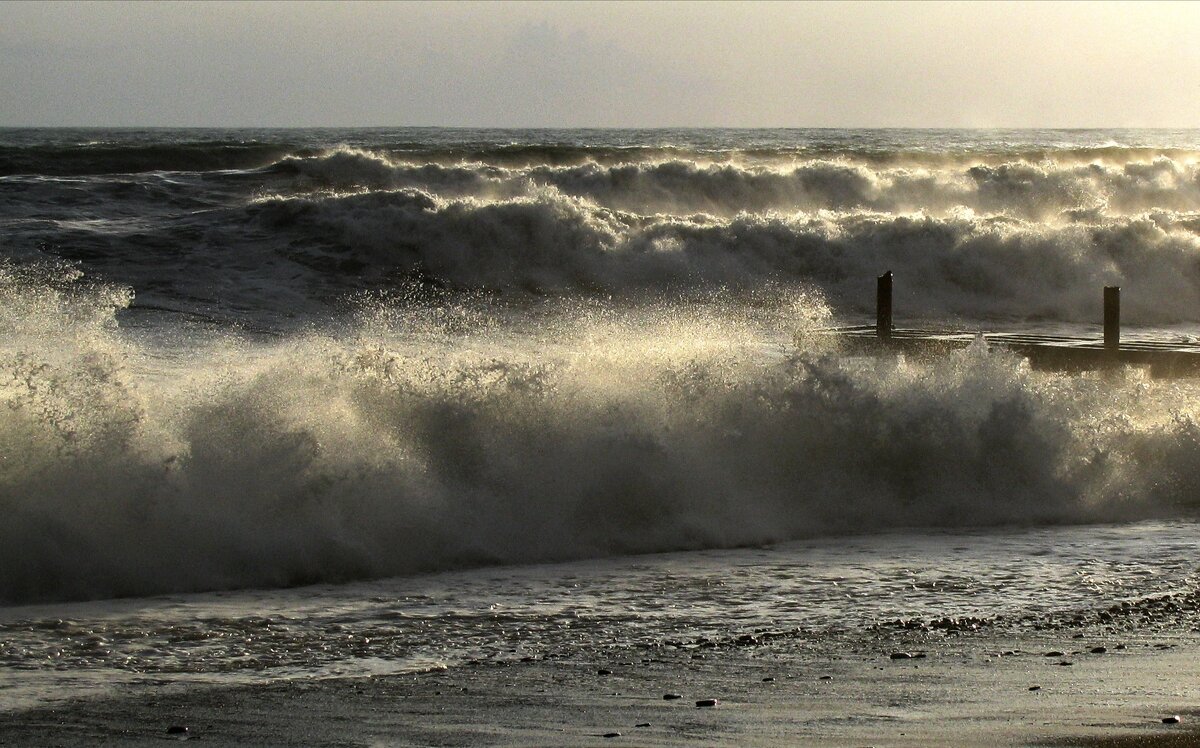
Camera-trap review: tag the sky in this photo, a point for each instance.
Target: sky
(600, 64)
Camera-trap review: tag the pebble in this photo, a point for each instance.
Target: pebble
(181, 730)
(826, 677)
(1035, 688)
(1172, 720)
(612, 734)
(603, 671)
(901, 656)
(671, 696)
(768, 679)
(1053, 653)
(642, 724)
(706, 702)
(1098, 650)
(1064, 663)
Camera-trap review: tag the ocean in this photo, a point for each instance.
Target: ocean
(292, 404)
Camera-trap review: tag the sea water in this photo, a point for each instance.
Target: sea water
(291, 403)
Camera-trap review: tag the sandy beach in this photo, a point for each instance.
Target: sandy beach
(956, 688)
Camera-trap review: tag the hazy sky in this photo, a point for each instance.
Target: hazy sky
(601, 64)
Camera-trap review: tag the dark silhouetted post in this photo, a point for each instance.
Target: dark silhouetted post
(883, 306)
(1112, 318)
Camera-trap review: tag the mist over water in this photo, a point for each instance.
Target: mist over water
(268, 358)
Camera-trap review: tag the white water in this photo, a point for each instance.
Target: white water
(816, 588)
(428, 438)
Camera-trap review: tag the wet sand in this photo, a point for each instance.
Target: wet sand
(970, 688)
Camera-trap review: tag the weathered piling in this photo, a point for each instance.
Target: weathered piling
(1112, 318)
(883, 306)
(1164, 358)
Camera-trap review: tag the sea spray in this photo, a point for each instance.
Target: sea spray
(456, 432)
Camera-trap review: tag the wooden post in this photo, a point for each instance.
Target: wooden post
(1112, 318)
(883, 306)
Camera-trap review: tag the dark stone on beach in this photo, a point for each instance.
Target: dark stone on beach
(528, 658)
(826, 677)
(1120, 646)
(642, 724)
(1064, 663)
(706, 702)
(1035, 688)
(901, 656)
(1098, 650)
(671, 696)
(612, 734)
(919, 656)
(603, 671)
(768, 679)
(1053, 653)
(181, 730)
(1172, 720)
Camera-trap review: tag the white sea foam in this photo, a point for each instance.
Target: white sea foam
(1038, 189)
(979, 266)
(448, 435)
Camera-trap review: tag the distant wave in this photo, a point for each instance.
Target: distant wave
(561, 155)
(1037, 190)
(176, 152)
(958, 264)
(298, 253)
(441, 436)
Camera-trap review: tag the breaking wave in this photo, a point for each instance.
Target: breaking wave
(964, 264)
(264, 226)
(1036, 190)
(446, 434)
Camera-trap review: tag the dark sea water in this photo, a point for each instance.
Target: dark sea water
(236, 359)
(275, 227)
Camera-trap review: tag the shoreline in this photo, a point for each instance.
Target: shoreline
(972, 688)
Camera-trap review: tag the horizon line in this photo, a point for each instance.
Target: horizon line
(595, 127)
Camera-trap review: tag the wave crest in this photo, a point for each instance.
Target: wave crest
(413, 446)
(978, 266)
(1040, 191)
